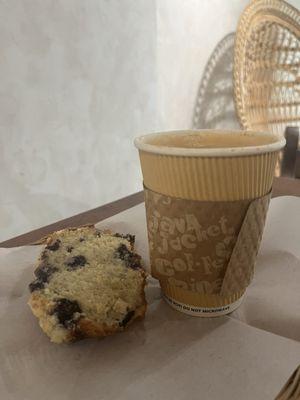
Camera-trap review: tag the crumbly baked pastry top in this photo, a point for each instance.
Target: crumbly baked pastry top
(88, 283)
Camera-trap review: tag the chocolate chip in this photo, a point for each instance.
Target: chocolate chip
(81, 239)
(130, 238)
(36, 285)
(64, 310)
(53, 246)
(122, 252)
(44, 272)
(76, 262)
(126, 319)
(69, 249)
(132, 260)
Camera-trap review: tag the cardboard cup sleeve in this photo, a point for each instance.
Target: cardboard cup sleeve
(203, 252)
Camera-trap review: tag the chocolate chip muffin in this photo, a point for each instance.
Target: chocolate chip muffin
(88, 284)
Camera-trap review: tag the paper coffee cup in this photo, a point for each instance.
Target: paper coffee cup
(190, 192)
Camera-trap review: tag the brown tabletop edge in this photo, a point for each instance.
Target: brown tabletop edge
(88, 217)
(281, 187)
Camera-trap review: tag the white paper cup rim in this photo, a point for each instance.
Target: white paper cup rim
(141, 143)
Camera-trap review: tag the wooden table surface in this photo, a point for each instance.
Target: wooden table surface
(281, 187)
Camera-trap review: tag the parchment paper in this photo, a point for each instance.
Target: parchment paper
(169, 355)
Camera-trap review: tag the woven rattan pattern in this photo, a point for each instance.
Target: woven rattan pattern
(267, 66)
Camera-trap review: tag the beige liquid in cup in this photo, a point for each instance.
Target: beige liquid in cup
(211, 140)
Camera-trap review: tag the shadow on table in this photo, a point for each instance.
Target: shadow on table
(272, 301)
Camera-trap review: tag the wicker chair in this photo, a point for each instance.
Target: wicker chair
(252, 79)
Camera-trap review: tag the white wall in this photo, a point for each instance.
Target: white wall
(78, 81)
(188, 32)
